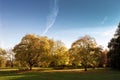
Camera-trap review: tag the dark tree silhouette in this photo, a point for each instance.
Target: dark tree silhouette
(114, 50)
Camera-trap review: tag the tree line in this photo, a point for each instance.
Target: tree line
(40, 51)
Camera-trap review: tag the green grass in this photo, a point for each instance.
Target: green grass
(75, 74)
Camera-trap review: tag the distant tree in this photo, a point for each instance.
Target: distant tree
(10, 57)
(103, 60)
(59, 55)
(2, 56)
(114, 50)
(95, 56)
(29, 50)
(2, 51)
(86, 51)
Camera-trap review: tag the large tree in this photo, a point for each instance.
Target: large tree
(114, 50)
(85, 51)
(29, 50)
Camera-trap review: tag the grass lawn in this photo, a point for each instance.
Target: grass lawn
(75, 74)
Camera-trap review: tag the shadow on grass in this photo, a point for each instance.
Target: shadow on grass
(36, 76)
(7, 73)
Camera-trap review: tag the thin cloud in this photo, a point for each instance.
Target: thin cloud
(104, 20)
(51, 17)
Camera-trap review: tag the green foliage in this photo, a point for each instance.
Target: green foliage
(114, 50)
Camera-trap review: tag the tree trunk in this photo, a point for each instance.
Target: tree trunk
(94, 67)
(85, 68)
(11, 64)
(30, 67)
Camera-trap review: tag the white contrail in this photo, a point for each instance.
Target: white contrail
(51, 17)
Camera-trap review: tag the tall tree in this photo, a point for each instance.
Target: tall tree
(86, 51)
(114, 50)
(29, 50)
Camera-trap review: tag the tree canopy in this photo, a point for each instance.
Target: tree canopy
(85, 51)
(40, 51)
(29, 50)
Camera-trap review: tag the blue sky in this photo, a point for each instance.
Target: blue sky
(65, 20)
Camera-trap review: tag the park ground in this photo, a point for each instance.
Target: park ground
(67, 74)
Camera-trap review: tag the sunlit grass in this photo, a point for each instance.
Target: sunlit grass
(8, 69)
(67, 74)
